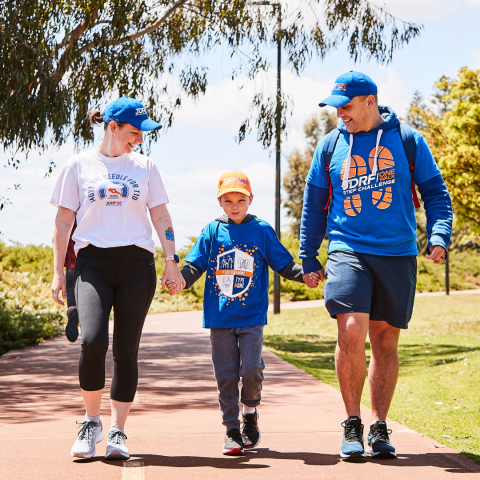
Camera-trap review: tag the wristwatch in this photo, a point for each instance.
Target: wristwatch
(173, 258)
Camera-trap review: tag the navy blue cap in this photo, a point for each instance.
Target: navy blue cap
(348, 86)
(131, 111)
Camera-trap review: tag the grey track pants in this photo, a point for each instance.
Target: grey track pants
(237, 352)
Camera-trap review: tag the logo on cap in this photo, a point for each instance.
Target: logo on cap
(141, 111)
(340, 86)
(229, 181)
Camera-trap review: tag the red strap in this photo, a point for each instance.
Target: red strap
(414, 192)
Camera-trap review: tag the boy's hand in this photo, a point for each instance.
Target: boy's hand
(312, 279)
(172, 287)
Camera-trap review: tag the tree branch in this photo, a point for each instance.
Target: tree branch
(66, 58)
(133, 36)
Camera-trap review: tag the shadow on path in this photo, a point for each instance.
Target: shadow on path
(308, 458)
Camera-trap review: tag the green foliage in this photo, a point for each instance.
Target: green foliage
(19, 329)
(295, 291)
(439, 363)
(299, 164)
(59, 59)
(452, 130)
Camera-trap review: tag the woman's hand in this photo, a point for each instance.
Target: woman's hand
(172, 274)
(59, 283)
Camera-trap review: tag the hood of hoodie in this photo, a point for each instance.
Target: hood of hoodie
(390, 120)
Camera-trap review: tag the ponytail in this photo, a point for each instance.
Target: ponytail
(95, 117)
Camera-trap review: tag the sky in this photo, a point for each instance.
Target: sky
(201, 145)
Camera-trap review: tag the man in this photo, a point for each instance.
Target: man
(367, 170)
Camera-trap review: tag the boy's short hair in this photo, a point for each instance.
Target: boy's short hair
(234, 181)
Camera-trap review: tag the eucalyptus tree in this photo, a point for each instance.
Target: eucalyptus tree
(60, 58)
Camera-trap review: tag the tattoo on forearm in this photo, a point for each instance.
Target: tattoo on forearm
(169, 234)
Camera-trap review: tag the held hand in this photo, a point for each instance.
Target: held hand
(312, 279)
(172, 287)
(172, 273)
(437, 253)
(59, 283)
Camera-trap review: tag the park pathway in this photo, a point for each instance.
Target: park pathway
(174, 431)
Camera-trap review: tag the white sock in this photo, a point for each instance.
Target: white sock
(92, 419)
(248, 410)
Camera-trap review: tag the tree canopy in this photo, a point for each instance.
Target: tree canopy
(61, 58)
(451, 126)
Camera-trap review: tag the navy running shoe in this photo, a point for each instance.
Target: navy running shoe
(379, 441)
(352, 445)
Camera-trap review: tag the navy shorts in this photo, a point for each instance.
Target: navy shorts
(379, 285)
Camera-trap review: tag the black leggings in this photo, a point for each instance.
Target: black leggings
(123, 278)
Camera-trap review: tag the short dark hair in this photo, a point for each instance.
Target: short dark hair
(363, 97)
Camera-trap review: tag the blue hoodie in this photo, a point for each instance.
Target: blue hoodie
(372, 210)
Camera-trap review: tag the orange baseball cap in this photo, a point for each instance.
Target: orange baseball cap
(234, 182)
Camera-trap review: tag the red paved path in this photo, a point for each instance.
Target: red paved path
(175, 431)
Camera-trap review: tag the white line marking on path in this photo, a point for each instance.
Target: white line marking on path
(133, 470)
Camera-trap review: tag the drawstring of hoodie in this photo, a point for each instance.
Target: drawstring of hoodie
(375, 160)
(346, 173)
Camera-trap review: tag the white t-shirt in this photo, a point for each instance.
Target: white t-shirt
(110, 196)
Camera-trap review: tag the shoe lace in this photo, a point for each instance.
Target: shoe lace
(381, 435)
(235, 436)
(116, 437)
(353, 433)
(86, 430)
(249, 423)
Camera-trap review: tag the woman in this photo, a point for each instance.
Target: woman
(108, 190)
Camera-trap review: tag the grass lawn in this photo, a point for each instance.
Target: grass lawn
(438, 389)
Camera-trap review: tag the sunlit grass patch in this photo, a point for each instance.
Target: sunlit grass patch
(437, 391)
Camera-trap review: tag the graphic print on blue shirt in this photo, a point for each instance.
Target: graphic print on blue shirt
(373, 212)
(235, 259)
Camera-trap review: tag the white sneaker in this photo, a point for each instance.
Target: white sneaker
(89, 435)
(116, 447)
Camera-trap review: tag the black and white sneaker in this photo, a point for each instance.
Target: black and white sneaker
(251, 434)
(233, 443)
(379, 441)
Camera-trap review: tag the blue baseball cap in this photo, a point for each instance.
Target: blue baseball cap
(131, 111)
(348, 86)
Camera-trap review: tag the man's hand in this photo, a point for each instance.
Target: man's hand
(437, 253)
(312, 279)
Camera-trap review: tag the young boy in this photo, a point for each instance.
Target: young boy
(235, 251)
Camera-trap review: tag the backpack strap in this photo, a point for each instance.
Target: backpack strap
(410, 147)
(327, 152)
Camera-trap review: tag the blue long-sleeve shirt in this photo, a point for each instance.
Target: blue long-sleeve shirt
(436, 200)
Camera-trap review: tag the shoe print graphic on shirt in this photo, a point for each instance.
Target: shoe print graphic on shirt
(358, 167)
(382, 198)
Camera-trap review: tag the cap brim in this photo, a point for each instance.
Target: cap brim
(146, 125)
(233, 189)
(335, 101)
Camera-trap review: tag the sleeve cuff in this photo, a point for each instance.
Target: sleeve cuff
(439, 240)
(311, 264)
